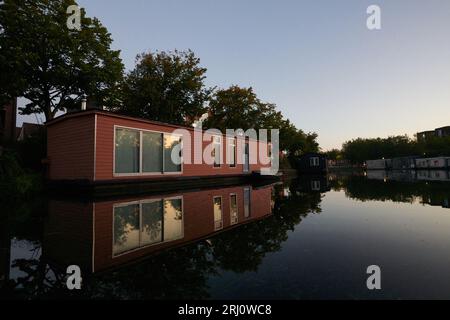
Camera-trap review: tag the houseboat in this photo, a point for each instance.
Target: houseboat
(312, 163)
(99, 148)
(404, 163)
(379, 164)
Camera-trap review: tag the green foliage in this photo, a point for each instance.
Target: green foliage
(360, 150)
(167, 87)
(50, 65)
(334, 154)
(15, 182)
(240, 108)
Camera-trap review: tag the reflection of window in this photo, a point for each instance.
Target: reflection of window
(315, 185)
(246, 202)
(216, 150)
(127, 151)
(232, 152)
(147, 222)
(155, 156)
(218, 220)
(233, 208)
(314, 161)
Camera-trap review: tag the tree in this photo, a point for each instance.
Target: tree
(50, 65)
(166, 86)
(240, 108)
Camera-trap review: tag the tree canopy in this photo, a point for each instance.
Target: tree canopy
(237, 107)
(50, 65)
(166, 86)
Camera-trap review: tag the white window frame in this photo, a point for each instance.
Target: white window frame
(314, 162)
(141, 173)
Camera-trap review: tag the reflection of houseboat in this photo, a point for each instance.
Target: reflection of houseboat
(106, 233)
(313, 183)
(95, 147)
(433, 163)
(433, 175)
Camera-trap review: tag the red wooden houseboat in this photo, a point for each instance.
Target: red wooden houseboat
(95, 147)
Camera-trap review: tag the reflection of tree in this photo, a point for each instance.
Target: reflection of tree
(179, 273)
(126, 219)
(363, 189)
(243, 249)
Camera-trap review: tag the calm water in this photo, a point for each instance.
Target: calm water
(308, 238)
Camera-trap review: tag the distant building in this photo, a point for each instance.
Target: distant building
(443, 132)
(438, 132)
(8, 115)
(28, 130)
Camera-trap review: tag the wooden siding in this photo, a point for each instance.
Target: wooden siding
(105, 151)
(70, 148)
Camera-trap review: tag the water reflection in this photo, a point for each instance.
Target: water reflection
(189, 245)
(150, 247)
(425, 187)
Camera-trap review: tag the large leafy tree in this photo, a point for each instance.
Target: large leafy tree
(240, 108)
(166, 86)
(51, 66)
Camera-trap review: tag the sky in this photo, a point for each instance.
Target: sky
(315, 59)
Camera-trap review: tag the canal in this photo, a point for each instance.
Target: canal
(306, 238)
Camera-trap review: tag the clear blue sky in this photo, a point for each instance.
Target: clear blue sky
(315, 59)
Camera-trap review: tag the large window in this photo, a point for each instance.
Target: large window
(127, 151)
(144, 152)
(231, 157)
(146, 223)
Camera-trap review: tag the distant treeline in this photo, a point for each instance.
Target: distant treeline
(360, 150)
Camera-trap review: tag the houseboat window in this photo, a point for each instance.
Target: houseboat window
(146, 223)
(216, 151)
(152, 222)
(233, 209)
(170, 143)
(314, 161)
(246, 202)
(152, 154)
(218, 220)
(232, 152)
(139, 151)
(126, 228)
(127, 151)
